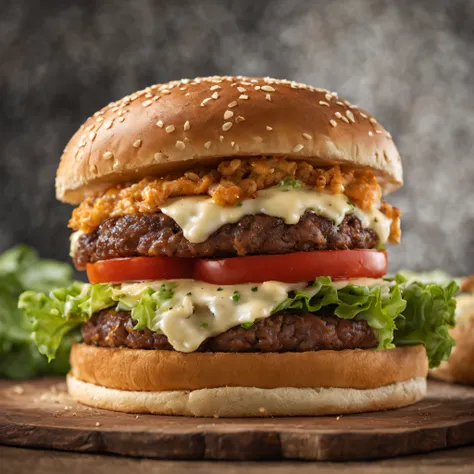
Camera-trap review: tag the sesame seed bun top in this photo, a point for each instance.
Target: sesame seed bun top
(183, 123)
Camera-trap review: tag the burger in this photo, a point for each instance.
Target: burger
(233, 231)
(459, 368)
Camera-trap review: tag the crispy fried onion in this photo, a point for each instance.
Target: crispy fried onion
(232, 181)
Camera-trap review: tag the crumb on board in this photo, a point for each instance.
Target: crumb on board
(18, 390)
(97, 424)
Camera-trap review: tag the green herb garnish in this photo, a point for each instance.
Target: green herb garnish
(290, 183)
(246, 325)
(235, 297)
(255, 289)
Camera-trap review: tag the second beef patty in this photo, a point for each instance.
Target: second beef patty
(152, 235)
(282, 332)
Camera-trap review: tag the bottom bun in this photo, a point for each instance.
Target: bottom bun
(460, 366)
(250, 401)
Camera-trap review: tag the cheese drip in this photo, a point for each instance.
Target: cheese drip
(200, 216)
(198, 310)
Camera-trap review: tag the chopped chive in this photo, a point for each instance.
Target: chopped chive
(246, 325)
(235, 297)
(255, 289)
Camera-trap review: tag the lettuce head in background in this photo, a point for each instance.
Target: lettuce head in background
(21, 269)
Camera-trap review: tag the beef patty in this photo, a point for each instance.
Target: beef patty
(152, 235)
(282, 332)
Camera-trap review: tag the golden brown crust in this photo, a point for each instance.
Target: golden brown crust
(460, 365)
(207, 119)
(131, 369)
(250, 401)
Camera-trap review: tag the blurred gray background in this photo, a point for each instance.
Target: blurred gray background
(411, 63)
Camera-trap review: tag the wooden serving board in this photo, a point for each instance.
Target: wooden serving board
(40, 414)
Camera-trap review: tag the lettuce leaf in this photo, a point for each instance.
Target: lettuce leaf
(22, 269)
(400, 312)
(429, 314)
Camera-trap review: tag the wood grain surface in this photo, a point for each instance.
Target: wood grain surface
(40, 414)
(38, 461)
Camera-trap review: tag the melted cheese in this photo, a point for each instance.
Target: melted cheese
(74, 240)
(200, 310)
(200, 216)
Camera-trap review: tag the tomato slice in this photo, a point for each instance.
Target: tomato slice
(139, 269)
(293, 267)
(290, 268)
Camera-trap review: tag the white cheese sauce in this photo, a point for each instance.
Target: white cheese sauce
(200, 216)
(200, 310)
(74, 240)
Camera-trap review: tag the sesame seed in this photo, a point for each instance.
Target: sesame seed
(232, 104)
(267, 88)
(389, 135)
(215, 95)
(221, 138)
(227, 126)
(243, 96)
(352, 106)
(90, 127)
(350, 116)
(333, 122)
(160, 123)
(269, 128)
(180, 145)
(307, 136)
(158, 156)
(372, 120)
(97, 424)
(328, 97)
(338, 102)
(378, 131)
(257, 88)
(94, 169)
(92, 136)
(203, 103)
(321, 102)
(363, 115)
(347, 103)
(258, 139)
(228, 114)
(345, 119)
(121, 119)
(137, 143)
(237, 148)
(298, 147)
(268, 97)
(109, 125)
(82, 144)
(241, 89)
(108, 155)
(187, 125)
(147, 103)
(169, 129)
(99, 119)
(246, 83)
(239, 119)
(232, 144)
(207, 145)
(148, 95)
(166, 91)
(338, 115)
(370, 134)
(116, 165)
(215, 87)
